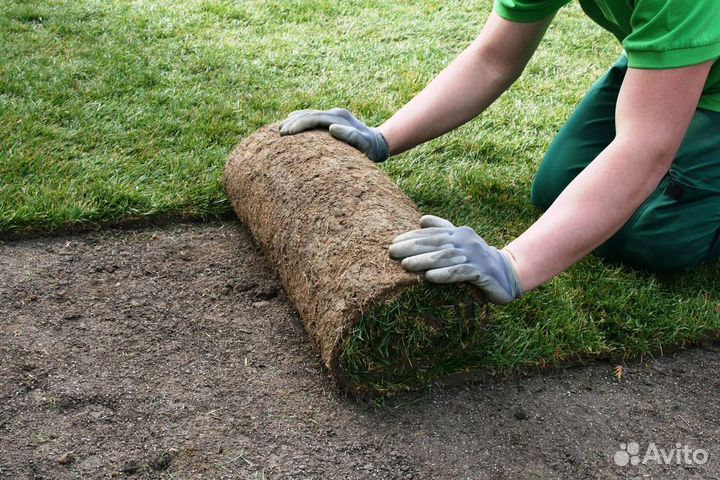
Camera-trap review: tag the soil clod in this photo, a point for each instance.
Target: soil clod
(66, 458)
(162, 462)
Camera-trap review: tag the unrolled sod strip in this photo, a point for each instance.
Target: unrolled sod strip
(325, 216)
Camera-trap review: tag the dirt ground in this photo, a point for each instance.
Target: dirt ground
(171, 353)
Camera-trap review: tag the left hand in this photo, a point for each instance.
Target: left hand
(343, 126)
(449, 254)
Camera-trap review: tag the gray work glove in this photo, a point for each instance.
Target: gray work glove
(343, 126)
(450, 254)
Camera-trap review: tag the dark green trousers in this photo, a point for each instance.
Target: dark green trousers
(678, 226)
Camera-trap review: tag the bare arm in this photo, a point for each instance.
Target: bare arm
(654, 110)
(475, 79)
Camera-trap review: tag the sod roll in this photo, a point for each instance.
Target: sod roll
(325, 215)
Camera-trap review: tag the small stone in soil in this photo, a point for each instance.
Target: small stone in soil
(244, 287)
(267, 292)
(521, 415)
(161, 463)
(131, 467)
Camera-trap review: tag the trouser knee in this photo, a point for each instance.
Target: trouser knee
(546, 188)
(634, 249)
(667, 235)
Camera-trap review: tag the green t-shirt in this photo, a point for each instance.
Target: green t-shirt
(656, 34)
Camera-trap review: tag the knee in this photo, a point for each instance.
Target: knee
(651, 250)
(546, 187)
(624, 248)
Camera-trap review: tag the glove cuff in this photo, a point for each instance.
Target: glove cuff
(380, 151)
(512, 276)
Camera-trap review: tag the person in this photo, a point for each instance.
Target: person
(633, 176)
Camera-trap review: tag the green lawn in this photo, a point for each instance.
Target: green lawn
(111, 110)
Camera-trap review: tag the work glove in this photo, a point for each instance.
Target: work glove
(449, 254)
(343, 126)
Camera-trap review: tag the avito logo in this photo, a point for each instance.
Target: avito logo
(629, 454)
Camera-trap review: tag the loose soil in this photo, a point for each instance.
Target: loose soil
(172, 353)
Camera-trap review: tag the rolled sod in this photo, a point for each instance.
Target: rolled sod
(325, 215)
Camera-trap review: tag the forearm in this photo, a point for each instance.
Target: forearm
(595, 205)
(473, 81)
(653, 111)
(460, 93)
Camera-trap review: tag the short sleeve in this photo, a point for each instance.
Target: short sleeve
(527, 10)
(673, 33)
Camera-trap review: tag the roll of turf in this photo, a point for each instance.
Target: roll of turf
(325, 215)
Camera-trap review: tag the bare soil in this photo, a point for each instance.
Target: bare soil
(172, 353)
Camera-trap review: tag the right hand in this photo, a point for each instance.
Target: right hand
(343, 126)
(450, 254)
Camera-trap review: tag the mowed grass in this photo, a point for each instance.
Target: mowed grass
(111, 110)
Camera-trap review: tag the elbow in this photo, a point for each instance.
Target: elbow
(513, 72)
(644, 163)
(504, 67)
(654, 154)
